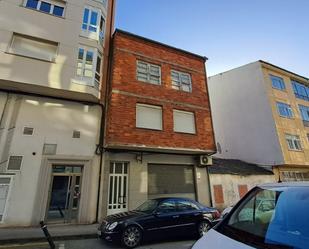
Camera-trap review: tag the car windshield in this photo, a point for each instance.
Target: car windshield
(271, 218)
(148, 206)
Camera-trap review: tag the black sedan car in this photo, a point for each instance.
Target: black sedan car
(156, 218)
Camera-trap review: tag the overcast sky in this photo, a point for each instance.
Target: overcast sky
(230, 33)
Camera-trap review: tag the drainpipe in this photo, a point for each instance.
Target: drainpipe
(100, 146)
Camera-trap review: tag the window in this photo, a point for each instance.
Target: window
(89, 66)
(149, 116)
(184, 121)
(277, 82)
(284, 110)
(301, 91)
(293, 142)
(28, 131)
(167, 206)
(93, 25)
(15, 162)
(148, 73)
(181, 81)
(184, 205)
(33, 47)
(4, 191)
(304, 111)
(55, 8)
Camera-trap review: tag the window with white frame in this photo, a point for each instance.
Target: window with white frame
(53, 7)
(33, 47)
(181, 81)
(293, 142)
(184, 121)
(148, 72)
(4, 191)
(149, 116)
(89, 65)
(93, 25)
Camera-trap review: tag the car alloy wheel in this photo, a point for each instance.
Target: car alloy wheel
(131, 236)
(203, 227)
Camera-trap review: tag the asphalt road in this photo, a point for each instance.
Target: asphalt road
(98, 244)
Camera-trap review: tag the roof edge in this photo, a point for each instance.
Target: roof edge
(159, 43)
(285, 70)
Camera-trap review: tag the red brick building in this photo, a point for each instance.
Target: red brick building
(158, 123)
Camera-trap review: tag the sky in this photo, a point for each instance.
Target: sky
(230, 33)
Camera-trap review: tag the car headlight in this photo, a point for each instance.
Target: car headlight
(112, 226)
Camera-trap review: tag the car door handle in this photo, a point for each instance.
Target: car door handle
(175, 216)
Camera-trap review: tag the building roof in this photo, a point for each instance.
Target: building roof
(236, 167)
(285, 70)
(159, 43)
(265, 63)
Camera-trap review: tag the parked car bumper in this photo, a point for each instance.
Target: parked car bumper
(109, 236)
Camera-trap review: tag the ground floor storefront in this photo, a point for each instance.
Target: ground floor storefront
(132, 178)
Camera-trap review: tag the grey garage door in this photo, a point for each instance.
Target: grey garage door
(170, 180)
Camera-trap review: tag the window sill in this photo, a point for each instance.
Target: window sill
(148, 129)
(62, 17)
(292, 118)
(179, 90)
(295, 150)
(185, 133)
(84, 83)
(282, 90)
(30, 57)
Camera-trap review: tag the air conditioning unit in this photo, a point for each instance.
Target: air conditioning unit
(205, 160)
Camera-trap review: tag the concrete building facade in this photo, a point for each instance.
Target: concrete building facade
(260, 115)
(53, 65)
(158, 124)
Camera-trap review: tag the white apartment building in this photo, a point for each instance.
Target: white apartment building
(53, 64)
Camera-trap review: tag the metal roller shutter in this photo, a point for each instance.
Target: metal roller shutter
(171, 180)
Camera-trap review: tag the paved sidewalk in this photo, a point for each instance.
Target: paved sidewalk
(58, 232)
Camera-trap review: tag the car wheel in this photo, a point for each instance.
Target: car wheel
(203, 227)
(131, 236)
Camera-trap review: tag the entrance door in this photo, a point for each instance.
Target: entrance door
(118, 188)
(64, 194)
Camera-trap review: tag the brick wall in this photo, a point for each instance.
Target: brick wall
(125, 91)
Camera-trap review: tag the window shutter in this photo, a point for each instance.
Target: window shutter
(149, 116)
(184, 122)
(33, 47)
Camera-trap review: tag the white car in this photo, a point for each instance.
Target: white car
(270, 216)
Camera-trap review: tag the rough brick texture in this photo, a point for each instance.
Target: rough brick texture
(121, 112)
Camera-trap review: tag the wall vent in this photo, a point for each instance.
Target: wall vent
(15, 162)
(28, 131)
(49, 149)
(76, 134)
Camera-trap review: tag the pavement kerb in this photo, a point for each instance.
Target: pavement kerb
(42, 239)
